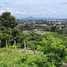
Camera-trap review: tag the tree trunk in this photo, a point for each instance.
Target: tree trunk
(0, 42)
(14, 45)
(6, 43)
(24, 45)
(34, 51)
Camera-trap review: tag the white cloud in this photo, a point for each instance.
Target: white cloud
(1, 11)
(20, 3)
(63, 2)
(19, 12)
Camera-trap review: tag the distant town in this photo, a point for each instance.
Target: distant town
(42, 24)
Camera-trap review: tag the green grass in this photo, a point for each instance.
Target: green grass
(10, 58)
(42, 32)
(38, 32)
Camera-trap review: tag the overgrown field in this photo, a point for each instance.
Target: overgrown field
(11, 58)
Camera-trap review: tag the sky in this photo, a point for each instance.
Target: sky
(35, 8)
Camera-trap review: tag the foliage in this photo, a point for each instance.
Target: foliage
(51, 47)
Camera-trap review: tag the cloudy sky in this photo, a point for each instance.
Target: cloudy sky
(35, 8)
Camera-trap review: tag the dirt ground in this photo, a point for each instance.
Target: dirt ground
(27, 51)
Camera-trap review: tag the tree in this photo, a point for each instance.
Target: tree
(7, 20)
(6, 37)
(15, 35)
(1, 37)
(53, 28)
(7, 24)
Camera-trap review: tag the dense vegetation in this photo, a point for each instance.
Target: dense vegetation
(49, 48)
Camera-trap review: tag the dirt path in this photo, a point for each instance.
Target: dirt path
(27, 51)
